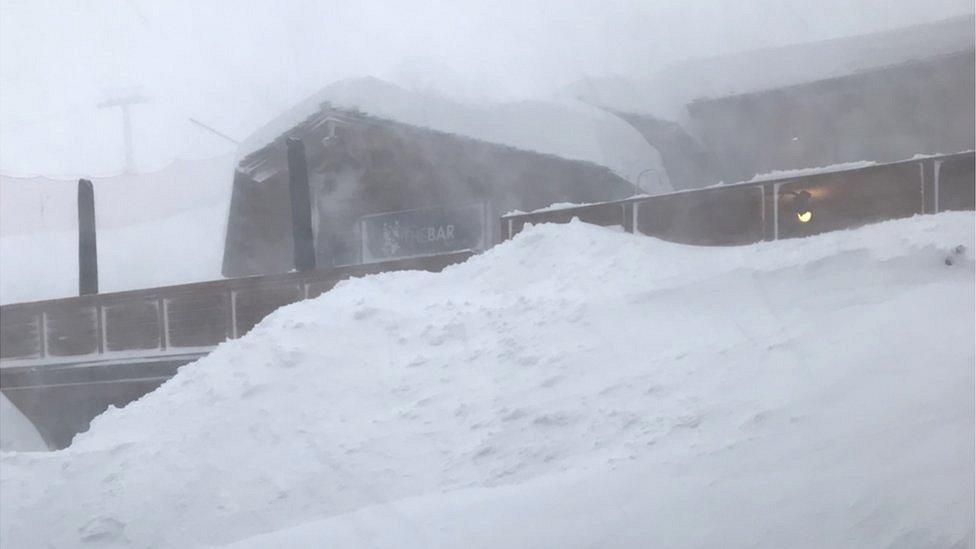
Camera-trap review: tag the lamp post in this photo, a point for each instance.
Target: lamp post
(637, 187)
(802, 207)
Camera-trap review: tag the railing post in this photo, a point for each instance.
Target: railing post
(232, 300)
(776, 211)
(301, 207)
(43, 334)
(87, 247)
(162, 314)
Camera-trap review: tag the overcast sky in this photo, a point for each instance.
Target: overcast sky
(235, 64)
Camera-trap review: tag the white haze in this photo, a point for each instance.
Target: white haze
(235, 65)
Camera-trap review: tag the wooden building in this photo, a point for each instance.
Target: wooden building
(361, 166)
(921, 106)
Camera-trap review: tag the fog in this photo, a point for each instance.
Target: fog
(604, 273)
(236, 65)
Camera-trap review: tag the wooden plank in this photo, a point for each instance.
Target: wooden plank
(957, 183)
(719, 217)
(253, 304)
(72, 331)
(20, 334)
(198, 320)
(132, 325)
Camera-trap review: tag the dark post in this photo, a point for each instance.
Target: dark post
(87, 249)
(301, 206)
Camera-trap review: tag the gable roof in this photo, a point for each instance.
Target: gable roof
(562, 128)
(271, 159)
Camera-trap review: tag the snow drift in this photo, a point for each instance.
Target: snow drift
(576, 386)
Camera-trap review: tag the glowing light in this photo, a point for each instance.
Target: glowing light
(801, 206)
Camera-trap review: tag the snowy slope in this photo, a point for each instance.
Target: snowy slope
(184, 247)
(155, 228)
(32, 204)
(574, 387)
(562, 127)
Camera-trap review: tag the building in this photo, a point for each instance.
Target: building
(360, 166)
(890, 113)
(880, 97)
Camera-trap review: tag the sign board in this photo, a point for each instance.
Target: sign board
(425, 231)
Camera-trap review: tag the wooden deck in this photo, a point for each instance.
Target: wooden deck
(63, 361)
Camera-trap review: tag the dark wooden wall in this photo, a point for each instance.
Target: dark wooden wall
(375, 167)
(882, 115)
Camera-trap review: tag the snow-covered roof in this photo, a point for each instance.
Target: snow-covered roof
(809, 62)
(565, 128)
(667, 92)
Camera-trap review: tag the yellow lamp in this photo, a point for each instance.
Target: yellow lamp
(801, 207)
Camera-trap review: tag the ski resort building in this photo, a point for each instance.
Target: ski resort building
(916, 107)
(878, 97)
(425, 183)
(360, 167)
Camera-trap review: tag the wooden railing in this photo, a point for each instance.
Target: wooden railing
(193, 318)
(171, 320)
(63, 361)
(766, 210)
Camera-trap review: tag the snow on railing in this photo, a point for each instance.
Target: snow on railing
(782, 205)
(167, 321)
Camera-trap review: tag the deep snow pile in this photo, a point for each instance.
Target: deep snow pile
(576, 386)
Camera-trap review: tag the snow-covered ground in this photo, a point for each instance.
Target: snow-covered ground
(574, 387)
